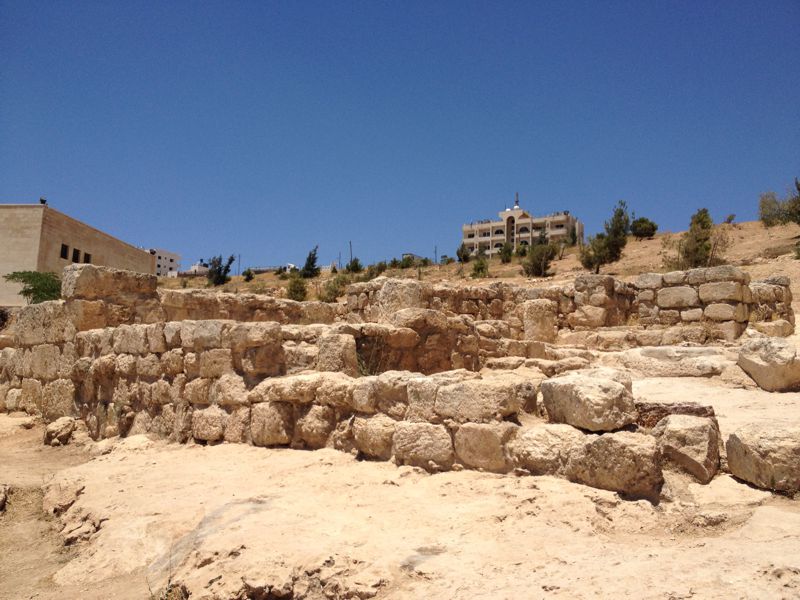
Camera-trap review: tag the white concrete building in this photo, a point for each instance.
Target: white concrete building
(167, 263)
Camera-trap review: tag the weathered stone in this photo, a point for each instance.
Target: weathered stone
(197, 391)
(777, 328)
(59, 431)
(337, 352)
(587, 316)
(58, 400)
(677, 297)
(721, 291)
(208, 424)
(271, 423)
(545, 449)
(44, 363)
(772, 363)
(374, 436)
(237, 426)
(649, 281)
(215, 362)
(92, 282)
(675, 277)
(130, 339)
(229, 391)
(624, 462)
(691, 443)
(691, 315)
(590, 402)
(43, 323)
(651, 412)
(423, 445)
(726, 312)
(766, 456)
(539, 319)
(482, 445)
(314, 425)
(727, 273)
(477, 400)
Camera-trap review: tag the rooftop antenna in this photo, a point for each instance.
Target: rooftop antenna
(43, 200)
(516, 199)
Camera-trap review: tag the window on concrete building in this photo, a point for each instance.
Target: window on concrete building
(76, 255)
(64, 251)
(87, 258)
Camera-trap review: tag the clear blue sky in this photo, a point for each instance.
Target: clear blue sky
(264, 128)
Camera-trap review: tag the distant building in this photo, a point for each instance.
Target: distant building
(36, 237)
(519, 228)
(167, 263)
(198, 268)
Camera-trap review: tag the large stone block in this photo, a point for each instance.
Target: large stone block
(130, 339)
(91, 282)
(478, 400)
(649, 281)
(545, 449)
(208, 424)
(721, 291)
(766, 456)
(58, 400)
(43, 323)
(423, 445)
(726, 312)
(229, 391)
(45, 362)
(215, 363)
(677, 297)
(483, 445)
(772, 363)
(624, 462)
(337, 352)
(314, 426)
(271, 423)
(374, 435)
(591, 401)
(691, 443)
(539, 319)
(727, 273)
(587, 316)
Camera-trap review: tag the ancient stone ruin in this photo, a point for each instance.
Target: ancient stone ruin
(501, 378)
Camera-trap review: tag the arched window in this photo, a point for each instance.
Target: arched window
(524, 229)
(499, 232)
(498, 245)
(524, 242)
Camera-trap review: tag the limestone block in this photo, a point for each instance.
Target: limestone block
(692, 315)
(669, 317)
(646, 296)
(314, 425)
(478, 400)
(727, 273)
(398, 294)
(59, 432)
(92, 282)
(298, 389)
(30, 399)
(772, 363)
(148, 367)
(43, 323)
(125, 365)
(421, 399)
(726, 312)
(588, 401)
(58, 400)
(374, 436)
(364, 395)
(653, 411)
(67, 361)
(766, 456)
(215, 363)
(14, 400)
(483, 445)
(423, 445)
(271, 423)
(335, 390)
(208, 424)
(691, 443)
(728, 330)
(255, 335)
(624, 462)
(172, 334)
(649, 281)
(207, 335)
(587, 316)
(721, 291)
(337, 352)
(237, 427)
(45, 362)
(197, 391)
(779, 328)
(677, 297)
(156, 341)
(172, 362)
(265, 361)
(130, 339)
(675, 278)
(87, 314)
(228, 391)
(539, 320)
(545, 449)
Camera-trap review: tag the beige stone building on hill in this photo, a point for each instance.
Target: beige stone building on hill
(518, 227)
(35, 237)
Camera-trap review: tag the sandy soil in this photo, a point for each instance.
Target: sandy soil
(217, 518)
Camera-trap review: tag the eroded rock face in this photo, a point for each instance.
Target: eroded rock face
(772, 363)
(423, 445)
(589, 400)
(624, 462)
(691, 443)
(766, 456)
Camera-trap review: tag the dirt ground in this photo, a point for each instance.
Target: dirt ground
(223, 518)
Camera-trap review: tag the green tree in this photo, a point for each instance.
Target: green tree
(522, 250)
(695, 247)
(407, 262)
(296, 290)
(310, 268)
(480, 268)
(643, 227)
(463, 253)
(248, 274)
(617, 231)
(537, 264)
(506, 252)
(354, 266)
(36, 287)
(595, 253)
(573, 235)
(218, 270)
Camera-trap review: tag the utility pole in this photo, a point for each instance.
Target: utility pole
(239, 265)
(340, 261)
(436, 255)
(351, 251)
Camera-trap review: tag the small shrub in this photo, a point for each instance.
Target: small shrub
(446, 260)
(595, 253)
(296, 290)
(537, 264)
(522, 250)
(480, 268)
(36, 287)
(643, 227)
(463, 253)
(354, 266)
(506, 252)
(425, 262)
(248, 275)
(333, 288)
(394, 264)
(334, 270)
(218, 271)
(407, 262)
(730, 219)
(184, 282)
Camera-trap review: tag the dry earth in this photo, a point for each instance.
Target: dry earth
(220, 518)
